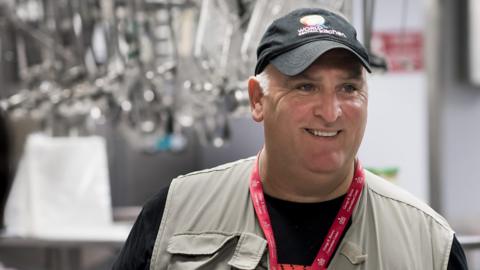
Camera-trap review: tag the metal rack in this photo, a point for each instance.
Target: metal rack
(154, 68)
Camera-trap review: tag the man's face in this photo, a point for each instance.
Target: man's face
(315, 121)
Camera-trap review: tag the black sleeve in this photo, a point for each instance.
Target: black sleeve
(138, 248)
(457, 260)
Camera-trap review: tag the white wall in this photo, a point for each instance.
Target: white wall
(396, 134)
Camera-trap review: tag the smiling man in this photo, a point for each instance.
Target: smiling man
(314, 123)
(304, 202)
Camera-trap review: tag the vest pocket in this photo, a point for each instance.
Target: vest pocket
(216, 251)
(353, 253)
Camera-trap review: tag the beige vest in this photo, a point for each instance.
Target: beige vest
(209, 223)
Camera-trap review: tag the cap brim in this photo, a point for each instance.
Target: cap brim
(295, 61)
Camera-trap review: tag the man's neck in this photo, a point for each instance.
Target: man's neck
(310, 187)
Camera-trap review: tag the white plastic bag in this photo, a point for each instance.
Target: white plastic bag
(61, 188)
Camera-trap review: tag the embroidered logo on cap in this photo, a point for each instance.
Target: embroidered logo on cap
(311, 20)
(316, 24)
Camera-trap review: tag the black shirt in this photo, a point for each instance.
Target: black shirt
(293, 226)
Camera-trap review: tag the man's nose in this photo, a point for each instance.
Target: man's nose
(327, 107)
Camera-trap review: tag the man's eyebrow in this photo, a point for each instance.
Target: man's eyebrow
(355, 74)
(354, 71)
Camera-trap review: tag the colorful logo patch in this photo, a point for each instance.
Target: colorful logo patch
(311, 20)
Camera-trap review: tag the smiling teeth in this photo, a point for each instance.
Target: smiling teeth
(323, 133)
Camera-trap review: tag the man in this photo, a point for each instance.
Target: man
(304, 202)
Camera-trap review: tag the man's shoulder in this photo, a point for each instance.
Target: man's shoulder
(240, 166)
(199, 201)
(402, 199)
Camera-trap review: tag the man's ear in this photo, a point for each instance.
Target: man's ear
(255, 93)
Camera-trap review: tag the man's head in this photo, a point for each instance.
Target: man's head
(314, 105)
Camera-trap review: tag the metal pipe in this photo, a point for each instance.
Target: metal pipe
(469, 241)
(435, 98)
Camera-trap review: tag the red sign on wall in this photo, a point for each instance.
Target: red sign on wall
(403, 51)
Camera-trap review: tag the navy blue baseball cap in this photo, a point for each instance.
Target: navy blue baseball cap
(293, 42)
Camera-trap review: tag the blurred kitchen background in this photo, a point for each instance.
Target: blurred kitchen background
(103, 102)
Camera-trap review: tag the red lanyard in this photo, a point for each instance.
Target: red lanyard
(336, 230)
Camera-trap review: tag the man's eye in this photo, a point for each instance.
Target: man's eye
(306, 87)
(349, 88)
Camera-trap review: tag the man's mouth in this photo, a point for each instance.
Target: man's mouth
(322, 133)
